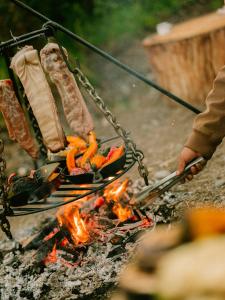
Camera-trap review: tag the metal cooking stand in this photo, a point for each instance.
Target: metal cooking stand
(133, 153)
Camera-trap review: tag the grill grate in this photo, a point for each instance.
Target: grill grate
(66, 189)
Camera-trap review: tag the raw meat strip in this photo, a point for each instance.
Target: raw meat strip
(15, 119)
(76, 112)
(26, 65)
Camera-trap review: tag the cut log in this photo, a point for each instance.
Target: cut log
(185, 61)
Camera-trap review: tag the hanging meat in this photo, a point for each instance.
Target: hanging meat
(75, 109)
(15, 120)
(26, 65)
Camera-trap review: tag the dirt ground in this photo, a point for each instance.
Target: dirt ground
(159, 129)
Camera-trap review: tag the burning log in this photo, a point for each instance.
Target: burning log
(47, 246)
(36, 241)
(69, 217)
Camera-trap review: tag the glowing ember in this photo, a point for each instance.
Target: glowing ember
(51, 234)
(99, 202)
(64, 242)
(70, 218)
(123, 213)
(51, 258)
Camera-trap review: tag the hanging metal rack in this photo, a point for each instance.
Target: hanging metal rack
(68, 192)
(133, 155)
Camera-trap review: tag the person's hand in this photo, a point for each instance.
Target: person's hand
(185, 157)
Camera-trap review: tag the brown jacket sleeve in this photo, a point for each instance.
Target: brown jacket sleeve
(209, 126)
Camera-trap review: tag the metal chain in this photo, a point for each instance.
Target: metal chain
(4, 223)
(137, 154)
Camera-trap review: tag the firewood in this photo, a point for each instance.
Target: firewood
(36, 240)
(47, 247)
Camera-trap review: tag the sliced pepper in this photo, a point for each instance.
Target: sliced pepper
(76, 141)
(92, 149)
(97, 161)
(70, 159)
(77, 171)
(110, 153)
(117, 153)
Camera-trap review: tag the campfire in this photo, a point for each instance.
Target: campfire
(82, 250)
(106, 217)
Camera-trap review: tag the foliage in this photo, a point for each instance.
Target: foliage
(102, 22)
(99, 21)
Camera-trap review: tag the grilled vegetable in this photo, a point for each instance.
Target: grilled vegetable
(76, 141)
(70, 159)
(114, 155)
(92, 149)
(110, 153)
(97, 161)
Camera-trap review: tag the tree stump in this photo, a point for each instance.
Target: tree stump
(186, 60)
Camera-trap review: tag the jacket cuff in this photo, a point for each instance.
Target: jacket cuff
(201, 143)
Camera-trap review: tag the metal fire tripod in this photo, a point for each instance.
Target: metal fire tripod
(49, 29)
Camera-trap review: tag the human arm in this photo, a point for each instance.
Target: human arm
(208, 127)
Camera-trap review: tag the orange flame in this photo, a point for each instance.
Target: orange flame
(123, 213)
(70, 218)
(115, 190)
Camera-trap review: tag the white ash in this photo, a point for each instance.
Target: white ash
(18, 279)
(165, 208)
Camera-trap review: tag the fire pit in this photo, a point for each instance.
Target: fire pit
(79, 254)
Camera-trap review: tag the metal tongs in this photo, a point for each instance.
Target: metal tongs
(151, 192)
